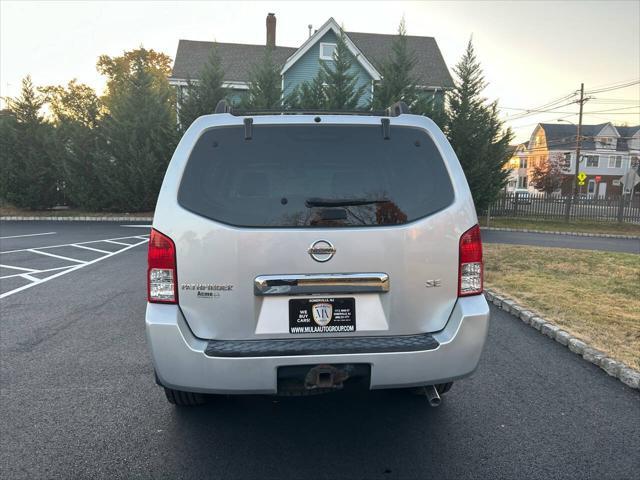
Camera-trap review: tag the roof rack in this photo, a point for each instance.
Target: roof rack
(394, 110)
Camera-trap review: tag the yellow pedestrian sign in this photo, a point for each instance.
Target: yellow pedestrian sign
(581, 178)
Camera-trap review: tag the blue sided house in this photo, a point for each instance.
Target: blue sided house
(303, 63)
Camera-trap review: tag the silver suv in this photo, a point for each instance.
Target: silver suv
(305, 253)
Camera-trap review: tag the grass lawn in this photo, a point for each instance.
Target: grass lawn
(19, 212)
(561, 226)
(593, 295)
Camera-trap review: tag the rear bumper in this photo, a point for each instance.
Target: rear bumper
(181, 362)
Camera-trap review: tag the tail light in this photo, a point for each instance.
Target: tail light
(161, 272)
(471, 268)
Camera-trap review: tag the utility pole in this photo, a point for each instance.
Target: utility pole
(574, 189)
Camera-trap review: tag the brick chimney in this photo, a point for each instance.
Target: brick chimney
(271, 30)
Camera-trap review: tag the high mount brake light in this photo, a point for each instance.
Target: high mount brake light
(161, 272)
(470, 270)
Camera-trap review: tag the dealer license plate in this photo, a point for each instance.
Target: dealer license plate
(322, 315)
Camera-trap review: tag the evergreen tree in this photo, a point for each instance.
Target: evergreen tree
(77, 112)
(334, 87)
(476, 133)
(140, 135)
(341, 83)
(8, 147)
(265, 89)
(30, 161)
(432, 105)
(201, 97)
(398, 83)
(308, 95)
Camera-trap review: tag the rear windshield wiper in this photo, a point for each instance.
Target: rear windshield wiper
(340, 202)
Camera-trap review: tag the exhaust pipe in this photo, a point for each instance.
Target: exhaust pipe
(431, 393)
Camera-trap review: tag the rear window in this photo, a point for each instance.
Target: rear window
(315, 176)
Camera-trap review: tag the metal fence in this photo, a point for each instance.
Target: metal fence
(532, 205)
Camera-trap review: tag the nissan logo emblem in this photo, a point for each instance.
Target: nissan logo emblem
(321, 251)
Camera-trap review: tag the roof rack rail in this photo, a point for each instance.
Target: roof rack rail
(394, 110)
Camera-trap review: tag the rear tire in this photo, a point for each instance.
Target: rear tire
(184, 399)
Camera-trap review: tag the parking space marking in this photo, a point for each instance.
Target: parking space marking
(117, 243)
(109, 240)
(69, 259)
(26, 276)
(59, 271)
(91, 248)
(36, 271)
(28, 235)
(31, 270)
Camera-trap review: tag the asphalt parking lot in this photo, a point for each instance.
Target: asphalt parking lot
(78, 398)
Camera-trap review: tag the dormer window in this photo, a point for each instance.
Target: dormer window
(326, 50)
(606, 142)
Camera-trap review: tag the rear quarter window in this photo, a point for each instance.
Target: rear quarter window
(315, 176)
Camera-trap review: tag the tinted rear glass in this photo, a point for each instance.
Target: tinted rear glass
(315, 176)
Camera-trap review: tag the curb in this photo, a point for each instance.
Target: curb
(627, 375)
(576, 234)
(76, 219)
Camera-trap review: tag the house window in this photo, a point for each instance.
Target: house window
(606, 142)
(615, 161)
(522, 182)
(523, 162)
(593, 161)
(591, 188)
(326, 51)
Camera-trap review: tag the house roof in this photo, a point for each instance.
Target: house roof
(332, 25)
(561, 136)
(430, 68)
(237, 59)
(626, 133)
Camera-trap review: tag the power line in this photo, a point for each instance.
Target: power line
(614, 87)
(616, 109)
(613, 101)
(554, 111)
(528, 113)
(547, 105)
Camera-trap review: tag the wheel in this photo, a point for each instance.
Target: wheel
(184, 399)
(444, 388)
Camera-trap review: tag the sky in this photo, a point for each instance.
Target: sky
(532, 53)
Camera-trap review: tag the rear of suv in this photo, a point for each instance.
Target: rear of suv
(305, 253)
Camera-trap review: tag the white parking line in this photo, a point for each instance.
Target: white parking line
(110, 240)
(37, 271)
(136, 226)
(78, 264)
(56, 256)
(31, 270)
(90, 248)
(29, 235)
(117, 243)
(26, 276)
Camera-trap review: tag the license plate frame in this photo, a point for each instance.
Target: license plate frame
(322, 315)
